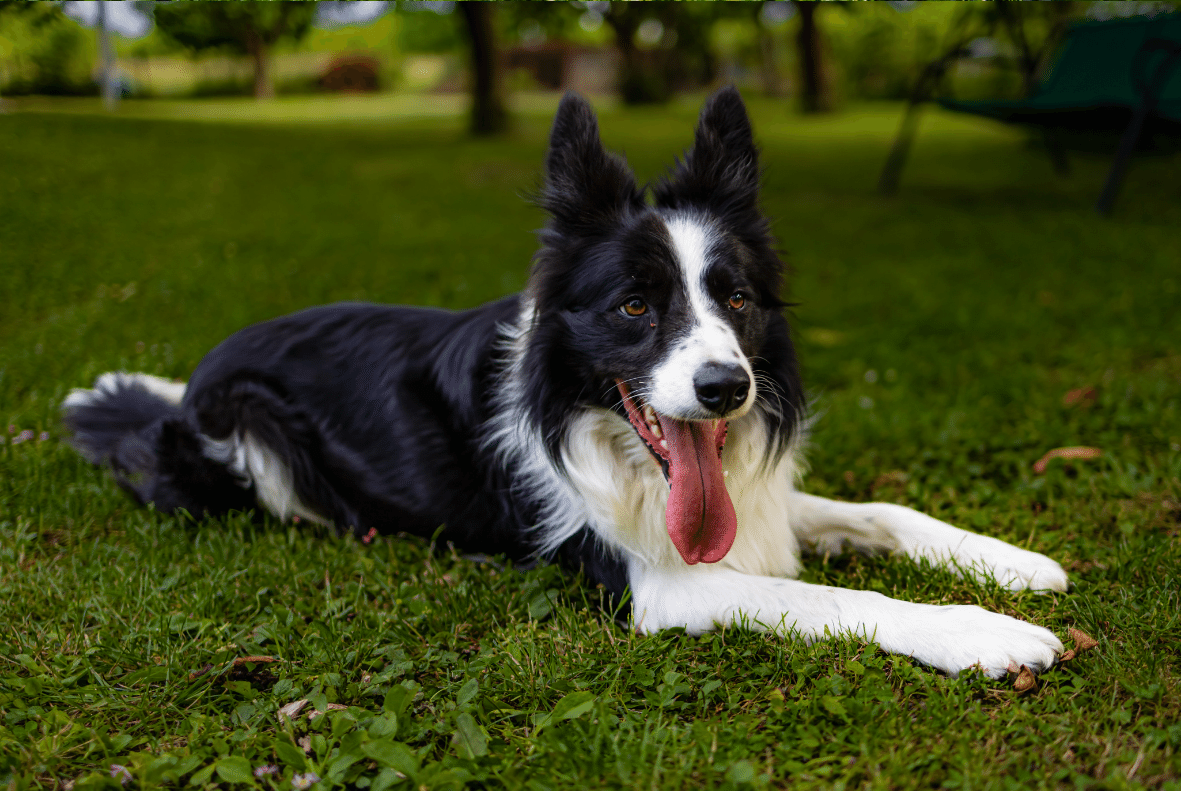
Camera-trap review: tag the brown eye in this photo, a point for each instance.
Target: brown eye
(634, 307)
(737, 301)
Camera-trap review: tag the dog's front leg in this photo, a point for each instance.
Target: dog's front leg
(885, 527)
(949, 638)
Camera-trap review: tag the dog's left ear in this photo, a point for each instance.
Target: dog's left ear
(721, 170)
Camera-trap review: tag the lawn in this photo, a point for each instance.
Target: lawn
(940, 332)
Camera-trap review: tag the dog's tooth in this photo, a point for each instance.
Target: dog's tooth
(725, 473)
(664, 444)
(652, 421)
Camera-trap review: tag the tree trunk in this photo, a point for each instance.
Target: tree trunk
(264, 84)
(488, 112)
(1013, 18)
(633, 88)
(814, 94)
(638, 84)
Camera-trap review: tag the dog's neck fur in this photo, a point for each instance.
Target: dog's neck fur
(608, 481)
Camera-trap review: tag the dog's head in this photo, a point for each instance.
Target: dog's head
(666, 311)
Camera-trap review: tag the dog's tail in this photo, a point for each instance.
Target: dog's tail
(134, 424)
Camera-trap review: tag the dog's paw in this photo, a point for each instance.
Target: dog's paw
(1036, 572)
(957, 637)
(1012, 567)
(983, 557)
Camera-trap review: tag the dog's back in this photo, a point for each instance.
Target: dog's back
(363, 416)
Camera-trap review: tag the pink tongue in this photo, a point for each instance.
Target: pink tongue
(700, 516)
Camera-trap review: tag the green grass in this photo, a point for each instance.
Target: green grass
(938, 332)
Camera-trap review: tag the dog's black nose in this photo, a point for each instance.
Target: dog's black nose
(721, 387)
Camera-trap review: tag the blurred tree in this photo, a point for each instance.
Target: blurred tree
(815, 81)
(664, 46)
(553, 20)
(637, 84)
(488, 113)
(251, 28)
(1033, 30)
(40, 13)
(693, 63)
(57, 52)
(434, 27)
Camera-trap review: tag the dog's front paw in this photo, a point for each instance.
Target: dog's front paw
(956, 637)
(1012, 567)
(1031, 572)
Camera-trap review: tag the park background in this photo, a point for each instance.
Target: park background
(251, 160)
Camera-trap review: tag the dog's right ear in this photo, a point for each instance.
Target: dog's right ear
(584, 183)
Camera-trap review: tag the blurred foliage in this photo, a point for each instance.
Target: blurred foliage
(679, 59)
(234, 26)
(422, 30)
(870, 50)
(879, 51)
(251, 28)
(47, 53)
(60, 63)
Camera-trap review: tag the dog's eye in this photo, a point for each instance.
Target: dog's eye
(634, 307)
(737, 301)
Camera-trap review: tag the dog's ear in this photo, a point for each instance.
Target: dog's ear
(584, 183)
(720, 174)
(721, 170)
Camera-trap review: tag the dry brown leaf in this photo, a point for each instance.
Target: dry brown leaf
(241, 660)
(894, 479)
(331, 707)
(305, 743)
(1067, 656)
(1081, 395)
(1082, 640)
(292, 709)
(1079, 452)
(1025, 680)
(196, 674)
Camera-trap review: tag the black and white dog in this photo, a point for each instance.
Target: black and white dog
(635, 413)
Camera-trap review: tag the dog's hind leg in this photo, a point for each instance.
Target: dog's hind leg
(281, 452)
(826, 525)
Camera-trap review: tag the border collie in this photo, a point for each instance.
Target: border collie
(635, 413)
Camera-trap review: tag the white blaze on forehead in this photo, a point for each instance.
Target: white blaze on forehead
(709, 339)
(691, 244)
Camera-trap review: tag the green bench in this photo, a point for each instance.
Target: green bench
(1108, 76)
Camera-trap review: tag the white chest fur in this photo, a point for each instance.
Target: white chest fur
(624, 493)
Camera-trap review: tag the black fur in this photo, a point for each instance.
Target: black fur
(377, 410)
(382, 413)
(155, 458)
